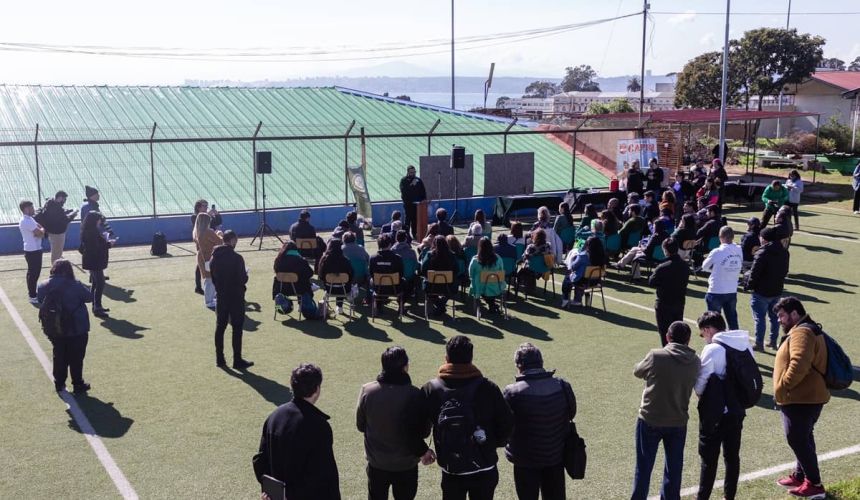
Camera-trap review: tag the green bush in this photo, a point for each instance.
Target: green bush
(838, 135)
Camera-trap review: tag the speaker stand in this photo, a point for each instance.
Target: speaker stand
(264, 229)
(453, 218)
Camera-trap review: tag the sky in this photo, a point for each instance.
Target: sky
(678, 31)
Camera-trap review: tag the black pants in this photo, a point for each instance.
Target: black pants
(666, 315)
(479, 486)
(34, 269)
(727, 435)
(232, 311)
(856, 200)
(548, 482)
(403, 484)
(97, 279)
(795, 211)
(410, 222)
(69, 355)
(798, 422)
(197, 283)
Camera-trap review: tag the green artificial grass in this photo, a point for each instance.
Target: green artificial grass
(178, 426)
(846, 490)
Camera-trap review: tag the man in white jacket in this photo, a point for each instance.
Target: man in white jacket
(724, 263)
(727, 431)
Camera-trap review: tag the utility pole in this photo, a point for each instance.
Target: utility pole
(645, 7)
(452, 54)
(779, 104)
(722, 145)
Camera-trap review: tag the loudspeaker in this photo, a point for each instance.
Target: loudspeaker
(458, 157)
(264, 162)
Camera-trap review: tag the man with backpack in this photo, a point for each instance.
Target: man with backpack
(543, 407)
(470, 419)
(729, 382)
(55, 219)
(800, 390)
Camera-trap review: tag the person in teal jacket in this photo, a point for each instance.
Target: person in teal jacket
(774, 196)
(486, 260)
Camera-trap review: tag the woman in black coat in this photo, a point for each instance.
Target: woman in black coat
(334, 262)
(95, 250)
(289, 260)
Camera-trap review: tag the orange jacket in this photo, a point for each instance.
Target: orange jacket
(799, 366)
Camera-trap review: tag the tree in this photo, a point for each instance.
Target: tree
(855, 64)
(597, 108)
(541, 89)
(633, 84)
(501, 101)
(832, 63)
(615, 106)
(772, 58)
(699, 83)
(581, 78)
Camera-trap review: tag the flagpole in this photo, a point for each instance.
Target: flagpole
(724, 90)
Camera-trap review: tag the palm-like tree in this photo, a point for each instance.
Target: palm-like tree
(633, 84)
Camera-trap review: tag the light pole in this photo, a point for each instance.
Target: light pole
(722, 145)
(452, 54)
(642, 68)
(779, 104)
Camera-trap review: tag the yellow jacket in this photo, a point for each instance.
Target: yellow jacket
(799, 367)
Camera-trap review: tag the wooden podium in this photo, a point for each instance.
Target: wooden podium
(421, 218)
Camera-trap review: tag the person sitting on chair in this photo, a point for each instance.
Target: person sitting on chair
(668, 202)
(334, 262)
(750, 239)
(701, 211)
(635, 224)
(460, 258)
(355, 227)
(340, 230)
(516, 237)
(538, 248)
(592, 254)
(563, 220)
(385, 262)
(589, 215)
(486, 260)
(427, 243)
(439, 258)
(711, 226)
(353, 251)
(632, 199)
(395, 216)
(289, 260)
(475, 234)
(652, 208)
(645, 250)
(445, 229)
(504, 249)
(403, 248)
(610, 222)
(302, 229)
(614, 206)
(686, 231)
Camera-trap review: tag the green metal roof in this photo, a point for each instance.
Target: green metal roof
(306, 172)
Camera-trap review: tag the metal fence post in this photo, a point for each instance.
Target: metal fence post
(573, 164)
(505, 136)
(346, 163)
(254, 161)
(152, 168)
(430, 137)
(38, 178)
(815, 151)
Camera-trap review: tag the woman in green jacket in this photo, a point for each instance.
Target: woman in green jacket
(774, 196)
(486, 260)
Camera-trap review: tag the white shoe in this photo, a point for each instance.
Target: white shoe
(857, 212)
(340, 309)
(34, 300)
(565, 303)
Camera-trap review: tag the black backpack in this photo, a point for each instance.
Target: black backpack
(56, 321)
(743, 377)
(457, 450)
(159, 244)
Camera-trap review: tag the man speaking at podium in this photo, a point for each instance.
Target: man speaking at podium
(411, 192)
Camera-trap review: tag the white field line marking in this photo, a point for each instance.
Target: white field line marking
(104, 456)
(851, 450)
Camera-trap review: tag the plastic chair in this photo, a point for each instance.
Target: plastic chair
(593, 277)
(436, 278)
(542, 266)
(633, 239)
(568, 236)
(713, 242)
(488, 277)
(470, 252)
(332, 280)
(288, 279)
(613, 244)
(307, 249)
(390, 280)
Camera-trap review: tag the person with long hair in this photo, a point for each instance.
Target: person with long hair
(69, 349)
(563, 220)
(589, 215)
(95, 250)
(538, 247)
(794, 184)
(486, 227)
(206, 240)
(685, 231)
(542, 221)
(439, 258)
(334, 262)
(610, 222)
(427, 243)
(516, 236)
(486, 260)
(592, 254)
(668, 202)
(202, 206)
(459, 257)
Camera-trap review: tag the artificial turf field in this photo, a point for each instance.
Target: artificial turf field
(177, 426)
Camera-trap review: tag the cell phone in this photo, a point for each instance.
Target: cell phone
(273, 488)
(214, 207)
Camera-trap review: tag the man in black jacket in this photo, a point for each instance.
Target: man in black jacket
(767, 279)
(55, 219)
(543, 407)
(670, 279)
(467, 455)
(635, 179)
(390, 414)
(411, 191)
(654, 177)
(385, 262)
(296, 446)
(302, 229)
(229, 276)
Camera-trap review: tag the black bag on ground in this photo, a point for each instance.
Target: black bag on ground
(159, 244)
(457, 446)
(743, 377)
(55, 320)
(575, 457)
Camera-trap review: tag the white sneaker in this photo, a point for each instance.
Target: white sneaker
(340, 309)
(34, 300)
(857, 212)
(564, 303)
(314, 287)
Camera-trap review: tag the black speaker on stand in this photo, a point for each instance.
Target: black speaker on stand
(458, 162)
(263, 166)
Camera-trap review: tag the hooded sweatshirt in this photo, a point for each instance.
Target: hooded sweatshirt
(670, 374)
(714, 355)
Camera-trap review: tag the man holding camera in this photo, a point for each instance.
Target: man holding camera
(55, 219)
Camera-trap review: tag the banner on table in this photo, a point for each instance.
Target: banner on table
(358, 184)
(629, 150)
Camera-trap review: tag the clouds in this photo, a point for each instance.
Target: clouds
(708, 39)
(688, 16)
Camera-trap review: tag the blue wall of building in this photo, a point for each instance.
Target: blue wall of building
(139, 231)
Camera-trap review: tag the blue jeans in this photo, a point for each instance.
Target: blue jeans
(648, 439)
(762, 309)
(567, 285)
(727, 303)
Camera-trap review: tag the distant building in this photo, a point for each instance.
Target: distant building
(578, 102)
(531, 107)
(826, 93)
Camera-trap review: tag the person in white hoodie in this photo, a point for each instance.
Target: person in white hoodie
(794, 184)
(725, 264)
(725, 431)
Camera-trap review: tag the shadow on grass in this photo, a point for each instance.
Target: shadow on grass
(421, 330)
(314, 328)
(361, 327)
(817, 248)
(119, 294)
(617, 319)
(123, 328)
(468, 325)
(106, 420)
(766, 402)
(516, 326)
(853, 238)
(531, 309)
(251, 324)
(272, 391)
(805, 283)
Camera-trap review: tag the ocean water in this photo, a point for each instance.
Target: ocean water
(463, 100)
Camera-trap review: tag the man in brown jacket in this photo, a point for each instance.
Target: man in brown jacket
(800, 392)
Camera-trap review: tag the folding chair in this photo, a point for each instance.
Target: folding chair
(543, 267)
(568, 236)
(649, 263)
(332, 280)
(390, 280)
(613, 244)
(288, 279)
(307, 249)
(593, 277)
(688, 246)
(497, 277)
(437, 278)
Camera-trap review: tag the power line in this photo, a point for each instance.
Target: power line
(666, 12)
